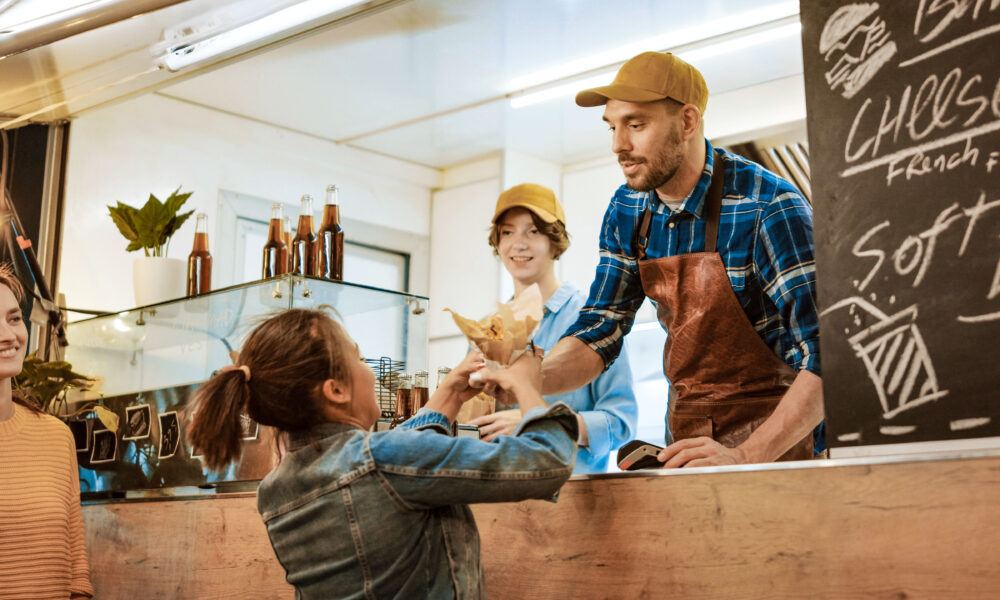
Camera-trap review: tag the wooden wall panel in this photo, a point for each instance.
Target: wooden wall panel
(184, 549)
(901, 530)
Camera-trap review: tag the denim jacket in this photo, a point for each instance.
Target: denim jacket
(353, 514)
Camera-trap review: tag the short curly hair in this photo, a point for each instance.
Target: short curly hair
(556, 232)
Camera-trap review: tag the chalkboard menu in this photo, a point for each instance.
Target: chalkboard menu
(903, 104)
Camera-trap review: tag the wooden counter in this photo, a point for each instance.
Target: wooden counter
(833, 529)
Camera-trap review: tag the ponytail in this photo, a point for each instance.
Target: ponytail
(214, 429)
(283, 364)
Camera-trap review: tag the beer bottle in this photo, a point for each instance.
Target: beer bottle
(303, 244)
(330, 239)
(275, 250)
(404, 407)
(199, 273)
(419, 396)
(442, 374)
(286, 233)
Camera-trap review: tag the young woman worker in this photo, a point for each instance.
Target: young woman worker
(42, 550)
(529, 235)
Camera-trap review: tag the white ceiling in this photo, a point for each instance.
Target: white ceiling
(427, 80)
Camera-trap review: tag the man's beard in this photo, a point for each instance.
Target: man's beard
(661, 169)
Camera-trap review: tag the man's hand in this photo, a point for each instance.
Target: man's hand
(699, 452)
(499, 423)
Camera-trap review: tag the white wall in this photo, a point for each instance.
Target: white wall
(464, 274)
(152, 144)
(587, 188)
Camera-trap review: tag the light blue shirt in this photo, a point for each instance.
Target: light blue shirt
(607, 404)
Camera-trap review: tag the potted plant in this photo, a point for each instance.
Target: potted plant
(155, 278)
(46, 383)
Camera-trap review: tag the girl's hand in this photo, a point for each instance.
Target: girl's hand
(456, 383)
(522, 380)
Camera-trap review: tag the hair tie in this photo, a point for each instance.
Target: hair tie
(244, 368)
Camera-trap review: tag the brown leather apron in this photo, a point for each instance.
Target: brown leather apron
(724, 380)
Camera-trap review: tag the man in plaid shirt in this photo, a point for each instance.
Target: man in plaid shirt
(724, 249)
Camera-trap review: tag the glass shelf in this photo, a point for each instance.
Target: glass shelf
(183, 341)
(152, 358)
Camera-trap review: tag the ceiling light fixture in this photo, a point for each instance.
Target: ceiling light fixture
(265, 27)
(562, 90)
(673, 39)
(692, 53)
(743, 31)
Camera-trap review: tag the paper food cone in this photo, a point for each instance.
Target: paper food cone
(503, 336)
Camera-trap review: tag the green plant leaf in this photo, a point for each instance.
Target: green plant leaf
(109, 418)
(122, 217)
(175, 224)
(175, 201)
(149, 223)
(149, 228)
(42, 382)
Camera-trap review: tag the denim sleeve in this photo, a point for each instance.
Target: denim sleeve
(615, 294)
(428, 468)
(612, 420)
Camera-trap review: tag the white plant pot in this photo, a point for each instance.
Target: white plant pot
(157, 279)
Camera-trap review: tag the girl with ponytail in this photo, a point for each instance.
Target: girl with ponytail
(352, 513)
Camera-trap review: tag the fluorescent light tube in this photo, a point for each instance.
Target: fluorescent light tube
(559, 91)
(275, 23)
(673, 39)
(740, 43)
(693, 55)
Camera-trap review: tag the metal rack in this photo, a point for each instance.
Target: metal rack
(387, 374)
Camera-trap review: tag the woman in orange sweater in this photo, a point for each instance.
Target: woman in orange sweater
(42, 549)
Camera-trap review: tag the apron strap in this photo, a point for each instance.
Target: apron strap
(713, 208)
(643, 237)
(713, 205)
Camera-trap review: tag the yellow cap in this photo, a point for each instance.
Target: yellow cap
(648, 77)
(537, 198)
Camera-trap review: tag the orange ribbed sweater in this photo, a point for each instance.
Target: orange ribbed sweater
(42, 550)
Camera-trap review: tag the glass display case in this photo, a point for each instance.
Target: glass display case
(150, 360)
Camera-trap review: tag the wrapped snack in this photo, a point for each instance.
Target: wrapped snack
(477, 406)
(502, 337)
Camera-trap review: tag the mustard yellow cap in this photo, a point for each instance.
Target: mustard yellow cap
(537, 198)
(648, 77)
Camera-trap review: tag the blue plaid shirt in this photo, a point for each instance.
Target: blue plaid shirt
(766, 243)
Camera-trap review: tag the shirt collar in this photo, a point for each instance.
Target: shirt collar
(299, 439)
(560, 297)
(694, 203)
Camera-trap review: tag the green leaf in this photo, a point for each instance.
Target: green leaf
(42, 382)
(174, 225)
(122, 218)
(175, 200)
(109, 418)
(149, 228)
